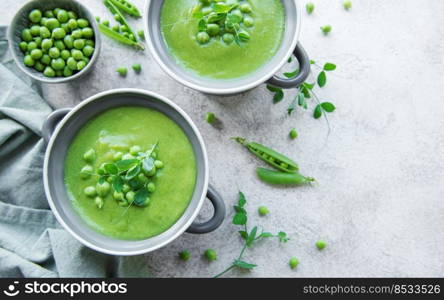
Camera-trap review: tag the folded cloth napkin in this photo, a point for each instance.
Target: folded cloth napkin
(32, 243)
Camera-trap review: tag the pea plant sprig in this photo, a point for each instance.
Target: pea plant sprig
(250, 237)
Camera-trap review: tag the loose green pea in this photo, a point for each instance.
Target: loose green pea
(141, 34)
(65, 27)
(35, 15)
(28, 61)
(67, 71)
(76, 34)
(58, 33)
(134, 150)
(35, 30)
(130, 196)
(77, 54)
(81, 65)
(38, 41)
(137, 68)
(103, 188)
(310, 8)
(71, 63)
(213, 29)
(72, 15)
(55, 11)
(263, 210)
(152, 172)
(238, 14)
(293, 262)
(151, 187)
(82, 23)
(87, 32)
(86, 172)
(49, 14)
(185, 255)
(347, 5)
(52, 23)
(98, 201)
(97, 19)
(326, 29)
(119, 196)
(72, 24)
(23, 46)
(142, 178)
(122, 71)
(90, 191)
(210, 117)
(89, 156)
(203, 37)
(228, 38)
(26, 35)
(321, 245)
(88, 51)
(43, 21)
(31, 46)
(127, 156)
(39, 66)
(158, 164)
(46, 59)
(293, 134)
(117, 156)
(54, 52)
(62, 16)
(245, 8)
(126, 188)
(69, 41)
(36, 54)
(79, 44)
(65, 54)
(58, 64)
(90, 43)
(45, 33)
(248, 21)
(59, 73)
(49, 72)
(59, 44)
(210, 254)
(46, 44)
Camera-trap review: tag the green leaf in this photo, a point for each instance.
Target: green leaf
(126, 164)
(240, 219)
(118, 183)
(215, 17)
(148, 164)
(251, 237)
(328, 107)
(279, 93)
(135, 184)
(221, 7)
(202, 25)
(283, 237)
(322, 79)
(232, 19)
(243, 36)
(141, 196)
(243, 234)
(239, 209)
(243, 265)
(309, 86)
(317, 112)
(133, 172)
(292, 107)
(111, 169)
(266, 235)
(329, 67)
(242, 200)
(301, 100)
(291, 74)
(290, 59)
(305, 91)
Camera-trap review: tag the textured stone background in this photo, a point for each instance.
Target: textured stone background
(379, 202)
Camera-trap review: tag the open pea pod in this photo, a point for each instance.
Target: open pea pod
(271, 157)
(115, 11)
(127, 7)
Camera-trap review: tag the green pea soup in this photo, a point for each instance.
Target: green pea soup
(116, 130)
(217, 59)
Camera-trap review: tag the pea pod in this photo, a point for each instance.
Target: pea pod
(127, 7)
(119, 38)
(115, 11)
(270, 156)
(276, 177)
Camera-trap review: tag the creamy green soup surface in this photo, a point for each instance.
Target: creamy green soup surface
(116, 130)
(217, 59)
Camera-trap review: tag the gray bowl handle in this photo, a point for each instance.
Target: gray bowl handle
(304, 71)
(218, 217)
(51, 122)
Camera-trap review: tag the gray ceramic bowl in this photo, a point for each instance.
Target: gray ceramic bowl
(289, 46)
(20, 22)
(62, 126)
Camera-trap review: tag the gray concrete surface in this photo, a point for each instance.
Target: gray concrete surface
(379, 203)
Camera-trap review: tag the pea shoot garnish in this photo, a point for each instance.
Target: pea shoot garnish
(219, 19)
(250, 237)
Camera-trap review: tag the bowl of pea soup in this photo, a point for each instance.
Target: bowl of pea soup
(54, 41)
(226, 46)
(126, 172)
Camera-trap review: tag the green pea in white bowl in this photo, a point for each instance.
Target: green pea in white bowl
(21, 21)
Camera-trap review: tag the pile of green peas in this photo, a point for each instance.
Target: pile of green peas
(100, 190)
(217, 29)
(57, 42)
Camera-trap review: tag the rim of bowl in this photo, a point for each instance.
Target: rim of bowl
(13, 47)
(221, 91)
(73, 112)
